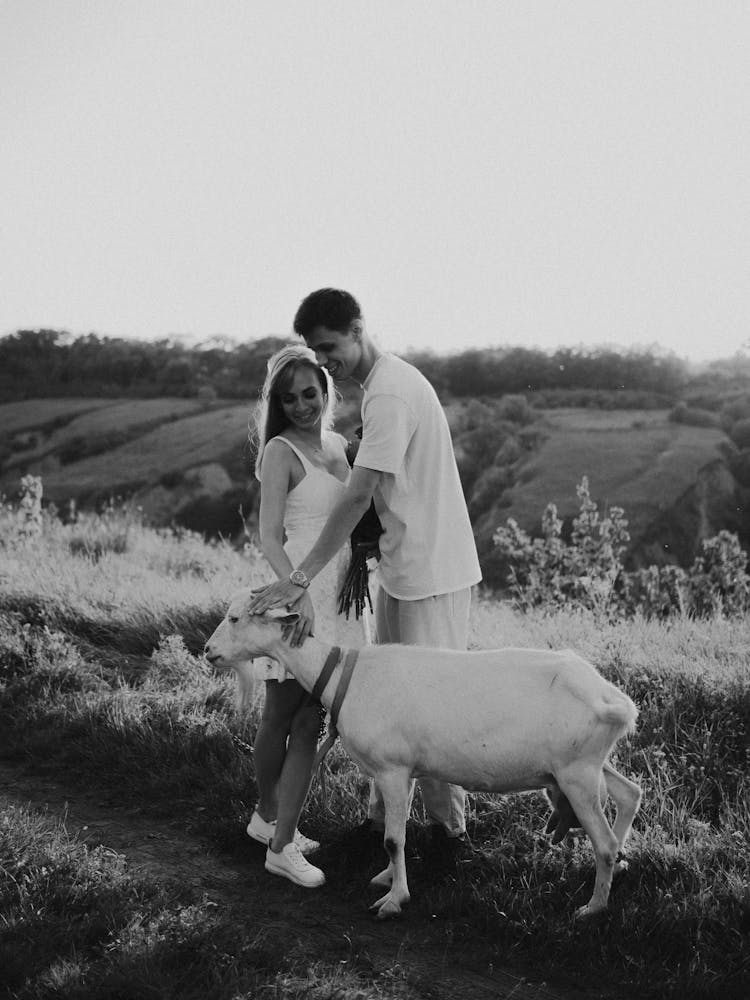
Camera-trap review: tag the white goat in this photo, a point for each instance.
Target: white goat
(504, 720)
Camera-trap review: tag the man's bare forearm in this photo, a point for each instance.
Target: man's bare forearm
(341, 522)
(338, 528)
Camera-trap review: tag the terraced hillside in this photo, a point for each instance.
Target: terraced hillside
(189, 461)
(179, 459)
(671, 479)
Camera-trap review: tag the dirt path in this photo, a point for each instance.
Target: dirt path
(316, 923)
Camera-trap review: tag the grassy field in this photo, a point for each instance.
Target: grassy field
(32, 413)
(136, 442)
(158, 451)
(171, 447)
(637, 460)
(120, 417)
(101, 685)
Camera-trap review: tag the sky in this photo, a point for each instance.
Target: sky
(476, 173)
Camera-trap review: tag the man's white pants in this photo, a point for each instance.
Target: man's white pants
(441, 621)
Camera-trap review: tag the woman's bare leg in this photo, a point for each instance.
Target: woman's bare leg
(296, 773)
(270, 749)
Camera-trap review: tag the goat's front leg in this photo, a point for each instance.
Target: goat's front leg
(383, 879)
(394, 787)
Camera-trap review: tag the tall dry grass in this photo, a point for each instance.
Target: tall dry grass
(101, 626)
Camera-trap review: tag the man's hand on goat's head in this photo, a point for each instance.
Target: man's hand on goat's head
(296, 629)
(299, 624)
(281, 594)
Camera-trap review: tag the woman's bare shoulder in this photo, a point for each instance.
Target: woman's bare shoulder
(279, 447)
(279, 456)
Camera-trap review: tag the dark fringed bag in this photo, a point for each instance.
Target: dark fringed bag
(355, 590)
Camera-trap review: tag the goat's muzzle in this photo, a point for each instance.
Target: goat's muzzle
(212, 658)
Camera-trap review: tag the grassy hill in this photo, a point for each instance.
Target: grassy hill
(63, 432)
(172, 446)
(39, 413)
(189, 461)
(179, 459)
(103, 693)
(638, 460)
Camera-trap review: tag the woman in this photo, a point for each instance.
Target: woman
(303, 469)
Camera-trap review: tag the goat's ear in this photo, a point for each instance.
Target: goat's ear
(282, 616)
(291, 619)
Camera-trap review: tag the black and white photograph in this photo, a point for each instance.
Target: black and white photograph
(374, 499)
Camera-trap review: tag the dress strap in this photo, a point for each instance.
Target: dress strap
(306, 463)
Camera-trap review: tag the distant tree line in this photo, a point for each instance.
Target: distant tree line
(39, 363)
(501, 370)
(44, 363)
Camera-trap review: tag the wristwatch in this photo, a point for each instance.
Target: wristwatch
(298, 578)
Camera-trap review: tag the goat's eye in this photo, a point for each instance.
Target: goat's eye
(233, 619)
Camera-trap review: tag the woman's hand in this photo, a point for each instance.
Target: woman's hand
(304, 624)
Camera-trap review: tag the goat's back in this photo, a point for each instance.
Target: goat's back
(518, 674)
(457, 714)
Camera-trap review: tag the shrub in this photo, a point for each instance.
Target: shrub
(588, 572)
(693, 416)
(24, 521)
(655, 591)
(516, 409)
(718, 578)
(547, 571)
(172, 665)
(740, 433)
(488, 488)
(739, 466)
(734, 410)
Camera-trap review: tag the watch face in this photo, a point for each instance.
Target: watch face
(298, 578)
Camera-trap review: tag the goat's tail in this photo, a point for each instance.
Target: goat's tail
(619, 711)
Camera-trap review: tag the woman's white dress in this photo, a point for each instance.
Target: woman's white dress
(307, 508)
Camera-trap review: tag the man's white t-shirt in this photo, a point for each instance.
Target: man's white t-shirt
(427, 547)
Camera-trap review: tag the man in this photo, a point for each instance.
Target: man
(406, 463)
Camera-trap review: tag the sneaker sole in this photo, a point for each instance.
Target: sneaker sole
(311, 846)
(258, 837)
(284, 873)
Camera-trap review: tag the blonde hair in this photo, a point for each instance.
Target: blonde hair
(269, 418)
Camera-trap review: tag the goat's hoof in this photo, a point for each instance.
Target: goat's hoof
(383, 879)
(387, 907)
(588, 911)
(621, 863)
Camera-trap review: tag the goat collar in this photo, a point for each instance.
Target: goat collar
(325, 674)
(332, 661)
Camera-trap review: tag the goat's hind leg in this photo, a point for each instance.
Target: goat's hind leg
(394, 788)
(627, 799)
(582, 786)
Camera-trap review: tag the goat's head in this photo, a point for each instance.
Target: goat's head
(241, 636)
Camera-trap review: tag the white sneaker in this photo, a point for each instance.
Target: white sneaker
(291, 864)
(263, 832)
(305, 844)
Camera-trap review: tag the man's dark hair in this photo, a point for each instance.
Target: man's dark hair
(329, 307)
